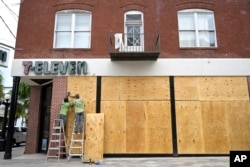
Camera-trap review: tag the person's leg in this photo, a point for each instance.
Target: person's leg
(81, 116)
(76, 123)
(64, 121)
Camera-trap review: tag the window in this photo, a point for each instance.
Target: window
(196, 28)
(72, 29)
(134, 37)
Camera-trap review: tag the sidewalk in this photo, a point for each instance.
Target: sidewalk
(39, 160)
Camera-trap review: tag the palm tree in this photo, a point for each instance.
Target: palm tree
(1, 85)
(1, 96)
(23, 100)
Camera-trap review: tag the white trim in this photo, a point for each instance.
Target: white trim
(161, 67)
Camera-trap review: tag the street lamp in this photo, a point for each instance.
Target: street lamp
(6, 103)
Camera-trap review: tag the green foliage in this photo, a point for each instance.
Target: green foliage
(1, 86)
(23, 100)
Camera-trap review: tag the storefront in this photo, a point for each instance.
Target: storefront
(150, 107)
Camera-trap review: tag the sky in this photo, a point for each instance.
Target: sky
(9, 15)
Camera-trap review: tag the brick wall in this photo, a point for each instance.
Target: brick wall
(59, 92)
(33, 121)
(35, 34)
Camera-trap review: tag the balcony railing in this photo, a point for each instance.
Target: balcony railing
(144, 46)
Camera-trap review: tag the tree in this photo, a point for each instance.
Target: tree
(23, 100)
(1, 97)
(1, 86)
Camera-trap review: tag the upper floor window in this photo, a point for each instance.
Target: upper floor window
(72, 29)
(196, 28)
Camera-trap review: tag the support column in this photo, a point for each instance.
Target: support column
(13, 102)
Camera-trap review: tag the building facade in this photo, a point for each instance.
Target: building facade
(170, 76)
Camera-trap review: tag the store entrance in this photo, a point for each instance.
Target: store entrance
(45, 117)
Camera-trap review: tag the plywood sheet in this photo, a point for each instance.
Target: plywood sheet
(186, 88)
(158, 127)
(144, 88)
(84, 86)
(110, 88)
(189, 127)
(239, 124)
(215, 127)
(93, 147)
(136, 129)
(114, 126)
(223, 88)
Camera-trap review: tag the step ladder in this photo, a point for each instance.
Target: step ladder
(57, 143)
(76, 145)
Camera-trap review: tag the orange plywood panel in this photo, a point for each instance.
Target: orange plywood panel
(114, 126)
(110, 88)
(186, 88)
(158, 127)
(215, 127)
(223, 88)
(144, 88)
(93, 147)
(189, 127)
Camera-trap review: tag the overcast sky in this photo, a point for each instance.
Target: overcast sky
(9, 15)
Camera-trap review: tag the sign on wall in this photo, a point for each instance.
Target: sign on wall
(4, 56)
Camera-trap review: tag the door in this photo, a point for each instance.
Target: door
(45, 117)
(134, 35)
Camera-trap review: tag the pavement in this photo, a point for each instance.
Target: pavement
(19, 159)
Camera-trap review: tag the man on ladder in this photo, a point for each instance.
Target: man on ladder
(57, 144)
(76, 145)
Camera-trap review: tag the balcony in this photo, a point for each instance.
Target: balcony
(144, 46)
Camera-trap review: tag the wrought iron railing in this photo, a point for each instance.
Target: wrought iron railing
(129, 43)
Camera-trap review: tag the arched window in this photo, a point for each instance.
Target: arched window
(72, 29)
(196, 28)
(134, 30)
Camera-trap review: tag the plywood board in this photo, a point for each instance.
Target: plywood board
(93, 147)
(144, 88)
(158, 127)
(84, 86)
(136, 129)
(114, 126)
(223, 88)
(239, 124)
(186, 88)
(189, 127)
(215, 127)
(110, 88)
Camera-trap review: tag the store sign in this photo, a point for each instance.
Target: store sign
(4, 56)
(56, 67)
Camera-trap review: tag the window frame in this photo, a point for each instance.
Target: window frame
(72, 30)
(197, 31)
(134, 23)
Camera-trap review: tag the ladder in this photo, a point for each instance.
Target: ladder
(76, 145)
(57, 143)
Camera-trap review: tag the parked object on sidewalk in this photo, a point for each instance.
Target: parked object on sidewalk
(19, 135)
